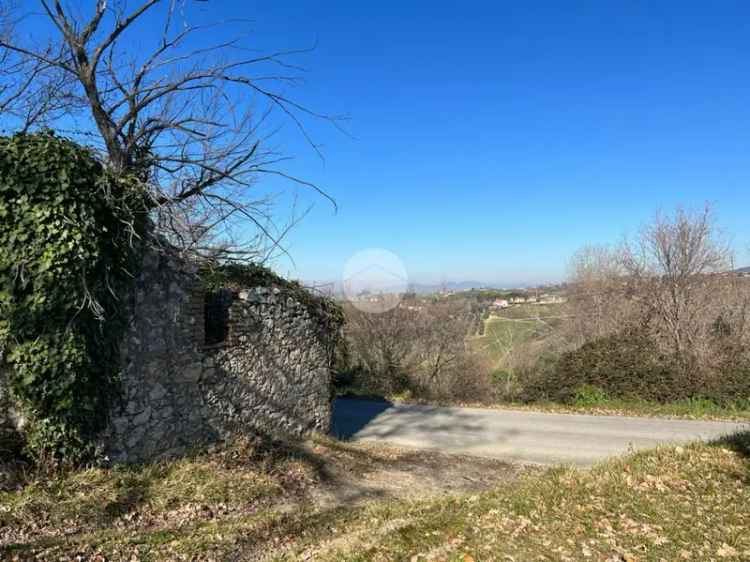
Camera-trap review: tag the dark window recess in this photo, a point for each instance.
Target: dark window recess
(216, 316)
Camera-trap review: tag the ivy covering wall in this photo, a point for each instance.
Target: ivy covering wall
(68, 238)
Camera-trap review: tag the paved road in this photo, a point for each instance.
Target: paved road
(514, 435)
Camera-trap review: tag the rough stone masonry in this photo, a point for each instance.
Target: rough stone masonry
(269, 373)
(264, 368)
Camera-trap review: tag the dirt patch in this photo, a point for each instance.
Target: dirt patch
(361, 472)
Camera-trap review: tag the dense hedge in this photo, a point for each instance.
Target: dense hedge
(66, 259)
(629, 365)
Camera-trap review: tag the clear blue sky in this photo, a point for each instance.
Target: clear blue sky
(491, 139)
(494, 138)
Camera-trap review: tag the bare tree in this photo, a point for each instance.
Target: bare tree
(662, 316)
(382, 347)
(674, 269)
(32, 91)
(192, 121)
(421, 349)
(443, 328)
(596, 293)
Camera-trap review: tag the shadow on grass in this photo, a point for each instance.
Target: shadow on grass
(228, 539)
(262, 454)
(251, 476)
(737, 442)
(116, 527)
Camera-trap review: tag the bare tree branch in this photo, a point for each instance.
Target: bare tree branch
(193, 122)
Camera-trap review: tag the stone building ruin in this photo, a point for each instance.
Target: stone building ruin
(201, 367)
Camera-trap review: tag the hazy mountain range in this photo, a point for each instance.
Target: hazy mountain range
(419, 288)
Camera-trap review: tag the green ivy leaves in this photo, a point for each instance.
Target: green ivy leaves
(65, 258)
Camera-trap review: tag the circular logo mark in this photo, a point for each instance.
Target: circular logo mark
(374, 280)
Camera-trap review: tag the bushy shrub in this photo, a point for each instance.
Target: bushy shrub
(66, 260)
(729, 380)
(630, 366)
(467, 381)
(625, 365)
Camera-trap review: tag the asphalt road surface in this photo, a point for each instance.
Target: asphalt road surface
(532, 437)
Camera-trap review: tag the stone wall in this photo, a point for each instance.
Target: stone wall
(270, 375)
(274, 370)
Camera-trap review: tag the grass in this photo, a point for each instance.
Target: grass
(669, 504)
(501, 334)
(513, 326)
(532, 311)
(690, 408)
(672, 503)
(167, 508)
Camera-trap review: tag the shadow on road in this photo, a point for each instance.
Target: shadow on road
(352, 415)
(446, 429)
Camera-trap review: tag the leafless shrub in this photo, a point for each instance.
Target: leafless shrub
(420, 349)
(598, 305)
(381, 348)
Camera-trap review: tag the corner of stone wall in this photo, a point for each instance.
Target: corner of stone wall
(271, 374)
(158, 414)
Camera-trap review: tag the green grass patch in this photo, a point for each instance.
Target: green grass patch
(592, 399)
(101, 496)
(691, 409)
(501, 334)
(521, 311)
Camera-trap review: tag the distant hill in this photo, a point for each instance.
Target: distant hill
(419, 288)
(336, 288)
(423, 288)
(743, 270)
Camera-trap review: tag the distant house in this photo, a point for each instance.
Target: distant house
(500, 303)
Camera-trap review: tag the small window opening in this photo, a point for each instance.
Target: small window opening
(216, 315)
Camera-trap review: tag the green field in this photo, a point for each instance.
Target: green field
(511, 327)
(501, 334)
(531, 311)
(515, 325)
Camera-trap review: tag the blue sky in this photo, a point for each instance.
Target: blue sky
(489, 140)
(494, 138)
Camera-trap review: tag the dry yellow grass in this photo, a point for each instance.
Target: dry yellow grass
(675, 503)
(670, 504)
